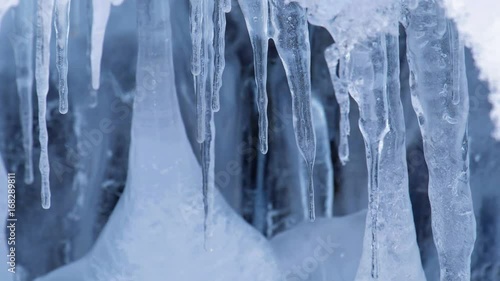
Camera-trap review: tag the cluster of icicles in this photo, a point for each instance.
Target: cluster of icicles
(48, 12)
(366, 68)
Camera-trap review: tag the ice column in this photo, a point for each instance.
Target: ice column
(440, 100)
(43, 34)
(100, 16)
(207, 67)
(323, 168)
(256, 15)
(390, 240)
(367, 75)
(61, 23)
(22, 43)
(291, 36)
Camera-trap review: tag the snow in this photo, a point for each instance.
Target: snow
(479, 24)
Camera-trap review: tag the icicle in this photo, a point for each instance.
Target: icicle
(43, 34)
(62, 32)
(291, 37)
(202, 39)
(390, 239)
(196, 22)
(332, 57)
(256, 18)
(367, 75)
(101, 10)
(436, 59)
(207, 77)
(208, 156)
(22, 43)
(219, 46)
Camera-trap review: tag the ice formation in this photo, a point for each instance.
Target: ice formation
(43, 33)
(100, 16)
(440, 99)
(174, 203)
(173, 179)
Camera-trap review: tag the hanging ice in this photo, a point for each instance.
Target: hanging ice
(440, 99)
(256, 14)
(390, 240)
(43, 34)
(221, 8)
(101, 10)
(367, 76)
(22, 43)
(61, 23)
(208, 145)
(173, 178)
(334, 61)
(207, 83)
(291, 36)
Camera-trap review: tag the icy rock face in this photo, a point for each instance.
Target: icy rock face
(158, 234)
(478, 22)
(327, 249)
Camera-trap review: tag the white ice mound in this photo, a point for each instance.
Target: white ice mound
(329, 247)
(156, 231)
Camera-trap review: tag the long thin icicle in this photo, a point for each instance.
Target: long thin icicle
(257, 21)
(207, 67)
(367, 75)
(291, 37)
(208, 147)
(23, 52)
(440, 99)
(43, 34)
(61, 24)
(334, 60)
